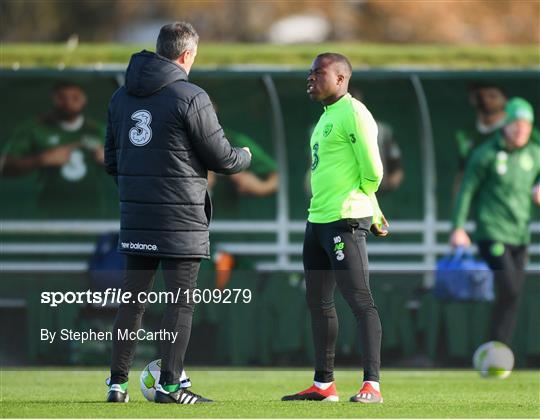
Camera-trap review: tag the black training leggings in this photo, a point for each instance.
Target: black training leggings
(335, 253)
(508, 267)
(139, 277)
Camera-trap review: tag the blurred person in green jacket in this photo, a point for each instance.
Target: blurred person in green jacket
(488, 101)
(65, 148)
(502, 176)
(262, 179)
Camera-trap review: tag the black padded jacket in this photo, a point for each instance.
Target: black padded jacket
(162, 138)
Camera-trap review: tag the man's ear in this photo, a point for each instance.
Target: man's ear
(185, 56)
(340, 79)
(182, 57)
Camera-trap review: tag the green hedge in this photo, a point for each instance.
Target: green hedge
(222, 54)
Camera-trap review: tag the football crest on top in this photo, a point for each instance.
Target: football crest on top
(327, 129)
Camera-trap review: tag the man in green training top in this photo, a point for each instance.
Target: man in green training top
(488, 100)
(500, 176)
(346, 171)
(66, 147)
(261, 180)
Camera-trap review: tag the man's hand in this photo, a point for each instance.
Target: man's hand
(536, 194)
(460, 238)
(58, 156)
(247, 150)
(380, 229)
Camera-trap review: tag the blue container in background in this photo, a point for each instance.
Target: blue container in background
(460, 277)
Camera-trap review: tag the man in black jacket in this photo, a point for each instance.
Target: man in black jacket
(162, 138)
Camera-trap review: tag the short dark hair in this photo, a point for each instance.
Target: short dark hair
(175, 38)
(65, 84)
(338, 58)
(477, 85)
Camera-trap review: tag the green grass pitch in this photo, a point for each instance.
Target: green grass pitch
(255, 393)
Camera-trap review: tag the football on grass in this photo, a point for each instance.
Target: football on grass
(493, 360)
(150, 378)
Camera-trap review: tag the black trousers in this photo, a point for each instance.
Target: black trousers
(139, 277)
(335, 253)
(508, 266)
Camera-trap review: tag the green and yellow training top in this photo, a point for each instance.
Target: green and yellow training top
(346, 167)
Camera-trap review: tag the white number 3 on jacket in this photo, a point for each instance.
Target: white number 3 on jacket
(141, 134)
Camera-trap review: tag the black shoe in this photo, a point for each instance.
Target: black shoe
(116, 395)
(182, 396)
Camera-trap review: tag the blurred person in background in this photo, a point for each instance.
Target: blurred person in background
(500, 176)
(261, 179)
(389, 151)
(66, 147)
(488, 100)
